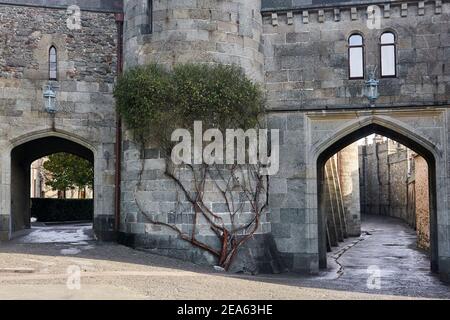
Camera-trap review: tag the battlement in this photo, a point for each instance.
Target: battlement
(355, 10)
(299, 5)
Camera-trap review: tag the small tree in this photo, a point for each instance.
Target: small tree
(67, 171)
(154, 102)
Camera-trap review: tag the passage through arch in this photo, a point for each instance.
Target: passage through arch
(323, 172)
(22, 156)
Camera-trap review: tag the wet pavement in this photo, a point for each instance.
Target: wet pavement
(384, 260)
(387, 260)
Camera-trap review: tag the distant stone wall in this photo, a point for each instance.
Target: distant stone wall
(422, 202)
(400, 188)
(348, 169)
(398, 185)
(383, 178)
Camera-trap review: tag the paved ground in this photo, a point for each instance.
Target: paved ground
(385, 261)
(30, 270)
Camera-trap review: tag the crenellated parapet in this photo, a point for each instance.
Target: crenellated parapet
(351, 10)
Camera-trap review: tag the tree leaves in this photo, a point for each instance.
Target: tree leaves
(68, 171)
(154, 102)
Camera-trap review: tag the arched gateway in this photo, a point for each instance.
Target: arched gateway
(364, 128)
(25, 152)
(310, 138)
(15, 166)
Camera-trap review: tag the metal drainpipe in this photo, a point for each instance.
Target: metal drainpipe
(118, 147)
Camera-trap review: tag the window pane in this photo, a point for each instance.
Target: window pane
(149, 26)
(387, 38)
(388, 60)
(52, 65)
(356, 63)
(355, 40)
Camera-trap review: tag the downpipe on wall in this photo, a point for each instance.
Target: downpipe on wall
(118, 147)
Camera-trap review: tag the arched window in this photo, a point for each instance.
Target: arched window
(150, 15)
(356, 56)
(388, 55)
(147, 25)
(52, 63)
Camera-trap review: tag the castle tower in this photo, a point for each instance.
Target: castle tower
(170, 32)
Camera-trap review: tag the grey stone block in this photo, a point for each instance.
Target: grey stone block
(281, 230)
(292, 215)
(4, 223)
(151, 153)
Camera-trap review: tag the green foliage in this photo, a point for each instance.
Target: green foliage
(154, 102)
(68, 171)
(143, 96)
(219, 95)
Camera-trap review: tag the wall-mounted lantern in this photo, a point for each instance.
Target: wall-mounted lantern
(50, 99)
(372, 89)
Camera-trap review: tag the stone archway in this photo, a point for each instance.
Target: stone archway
(360, 127)
(22, 153)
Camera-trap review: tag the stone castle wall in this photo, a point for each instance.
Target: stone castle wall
(315, 105)
(348, 165)
(422, 202)
(86, 74)
(308, 49)
(310, 99)
(384, 179)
